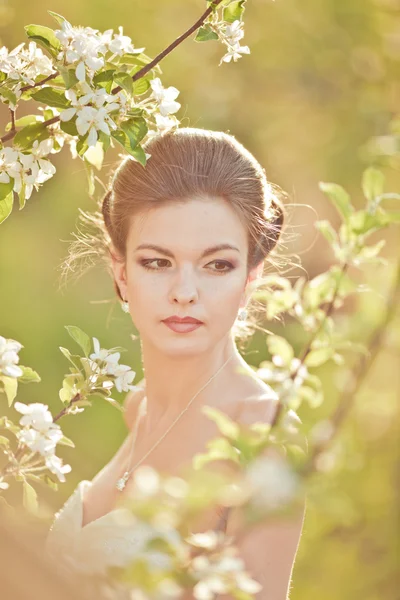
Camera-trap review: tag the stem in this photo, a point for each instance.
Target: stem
(11, 134)
(12, 112)
(40, 83)
(64, 411)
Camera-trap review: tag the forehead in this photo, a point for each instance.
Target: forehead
(189, 224)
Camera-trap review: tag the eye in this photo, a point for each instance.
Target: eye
(145, 264)
(224, 263)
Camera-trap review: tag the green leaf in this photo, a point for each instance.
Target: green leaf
(6, 203)
(68, 76)
(50, 482)
(218, 449)
(27, 120)
(135, 129)
(10, 385)
(52, 97)
(80, 338)
(30, 498)
(313, 397)
(205, 34)
(327, 231)
(59, 18)
(392, 217)
(4, 441)
(115, 403)
(339, 197)
(8, 95)
(233, 12)
(125, 81)
(227, 427)
(29, 375)
(69, 127)
(141, 86)
(136, 60)
(138, 153)
(66, 442)
(68, 355)
(373, 182)
(278, 346)
(104, 79)
(26, 136)
(82, 145)
(45, 37)
(318, 357)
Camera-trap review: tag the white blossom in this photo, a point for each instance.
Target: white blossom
(163, 124)
(3, 485)
(8, 158)
(123, 377)
(165, 97)
(121, 44)
(218, 573)
(234, 32)
(56, 466)
(91, 119)
(43, 442)
(230, 36)
(101, 354)
(25, 64)
(235, 52)
(86, 48)
(82, 46)
(272, 482)
(36, 415)
(9, 358)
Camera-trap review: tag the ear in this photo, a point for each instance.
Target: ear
(119, 270)
(254, 274)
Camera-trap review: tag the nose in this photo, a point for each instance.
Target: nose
(184, 289)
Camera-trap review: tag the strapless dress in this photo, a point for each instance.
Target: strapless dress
(113, 540)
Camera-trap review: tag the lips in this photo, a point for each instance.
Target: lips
(184, 320)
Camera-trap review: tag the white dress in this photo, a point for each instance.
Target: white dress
(112, 540)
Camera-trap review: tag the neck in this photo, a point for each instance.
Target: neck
(172, 381)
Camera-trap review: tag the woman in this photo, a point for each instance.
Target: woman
(185, 238)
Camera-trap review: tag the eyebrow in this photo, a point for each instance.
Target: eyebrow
(167, 252)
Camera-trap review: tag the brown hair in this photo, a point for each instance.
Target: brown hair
(184, 163)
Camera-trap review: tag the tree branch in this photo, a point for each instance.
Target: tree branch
(11, 134)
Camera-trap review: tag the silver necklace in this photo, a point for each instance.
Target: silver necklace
(121, 483)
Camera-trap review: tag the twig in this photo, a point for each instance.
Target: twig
(40, 83)
(12, 113)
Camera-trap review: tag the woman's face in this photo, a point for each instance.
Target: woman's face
(178, 279)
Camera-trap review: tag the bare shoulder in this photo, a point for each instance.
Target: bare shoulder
(132, 401)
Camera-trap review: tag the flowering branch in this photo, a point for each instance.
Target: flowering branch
(98, 90)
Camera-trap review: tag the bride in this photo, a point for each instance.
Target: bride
(184, 238)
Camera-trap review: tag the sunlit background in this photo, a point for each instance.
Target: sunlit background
(321, 81)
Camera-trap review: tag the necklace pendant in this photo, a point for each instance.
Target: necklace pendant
(121, 483)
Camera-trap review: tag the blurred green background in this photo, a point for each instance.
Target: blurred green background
(322, 79)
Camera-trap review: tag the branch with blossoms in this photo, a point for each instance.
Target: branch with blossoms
(38, 433)
(97, 90)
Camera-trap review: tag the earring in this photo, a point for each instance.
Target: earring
(125, 306)
(242, 314)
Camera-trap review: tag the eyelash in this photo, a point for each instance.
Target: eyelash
(146, 262)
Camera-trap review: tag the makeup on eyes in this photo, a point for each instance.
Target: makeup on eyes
(144, 262)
